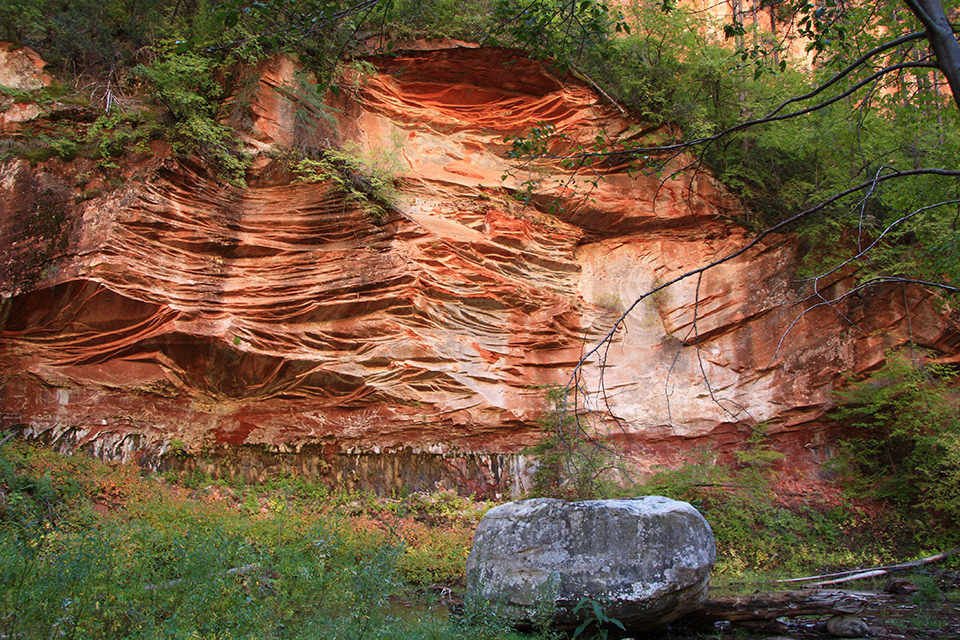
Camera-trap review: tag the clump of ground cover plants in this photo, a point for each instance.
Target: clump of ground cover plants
(94, 549)
(90, 549)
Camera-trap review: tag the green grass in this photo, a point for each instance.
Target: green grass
(95, 550)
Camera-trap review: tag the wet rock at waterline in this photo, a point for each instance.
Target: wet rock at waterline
(847, 626)
(646, 560)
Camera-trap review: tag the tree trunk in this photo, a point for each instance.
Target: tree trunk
(946, 50)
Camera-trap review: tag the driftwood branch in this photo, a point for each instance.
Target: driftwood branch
(860, 574)
(762, 607)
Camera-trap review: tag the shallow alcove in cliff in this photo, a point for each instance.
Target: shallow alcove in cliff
(284, 319)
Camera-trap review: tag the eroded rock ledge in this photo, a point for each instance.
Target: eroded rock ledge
(286, 318)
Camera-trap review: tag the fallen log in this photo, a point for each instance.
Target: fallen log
(761, 607)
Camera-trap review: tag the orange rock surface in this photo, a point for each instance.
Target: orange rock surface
(177, 309)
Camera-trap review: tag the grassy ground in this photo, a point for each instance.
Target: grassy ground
(98, 550)
(89, 549)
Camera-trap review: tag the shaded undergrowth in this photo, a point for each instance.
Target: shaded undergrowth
(764, 533)
(90, 549)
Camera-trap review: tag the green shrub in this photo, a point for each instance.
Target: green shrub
(905, 436)
(39, 154)
(114, 133)
(757, 532)
(186, 84)
(927, 589)
(365, 177)
(466, 19)
(573, 462)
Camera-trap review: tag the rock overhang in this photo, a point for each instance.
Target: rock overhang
(284, 315)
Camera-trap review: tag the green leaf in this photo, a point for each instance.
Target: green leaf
(597, 610)
(581, 604)
(582, 628)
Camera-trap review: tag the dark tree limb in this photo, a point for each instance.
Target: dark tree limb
(939, 33)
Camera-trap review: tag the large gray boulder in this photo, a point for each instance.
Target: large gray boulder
(646, 561)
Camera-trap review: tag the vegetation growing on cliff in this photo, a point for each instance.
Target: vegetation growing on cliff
(667, 64)
(366, 179)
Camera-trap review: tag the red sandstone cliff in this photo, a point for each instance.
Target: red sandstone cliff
(177, 309)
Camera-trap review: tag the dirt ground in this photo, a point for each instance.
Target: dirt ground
(904, 619)
(897, 618)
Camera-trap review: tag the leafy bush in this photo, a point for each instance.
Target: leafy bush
(365, 177)
(756, 531)
(566, 33)
(468, 19)
(431, 554)
(186, 84)
(114, 133)
(905, 434)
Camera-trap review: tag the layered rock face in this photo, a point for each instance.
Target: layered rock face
(288, 319)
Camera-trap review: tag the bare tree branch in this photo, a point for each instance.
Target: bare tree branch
(853, 66)
(769, 118)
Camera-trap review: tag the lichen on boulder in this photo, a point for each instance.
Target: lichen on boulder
(646, 561)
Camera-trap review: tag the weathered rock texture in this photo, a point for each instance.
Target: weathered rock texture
(647, 561)
(20, 68)
(285, 318)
